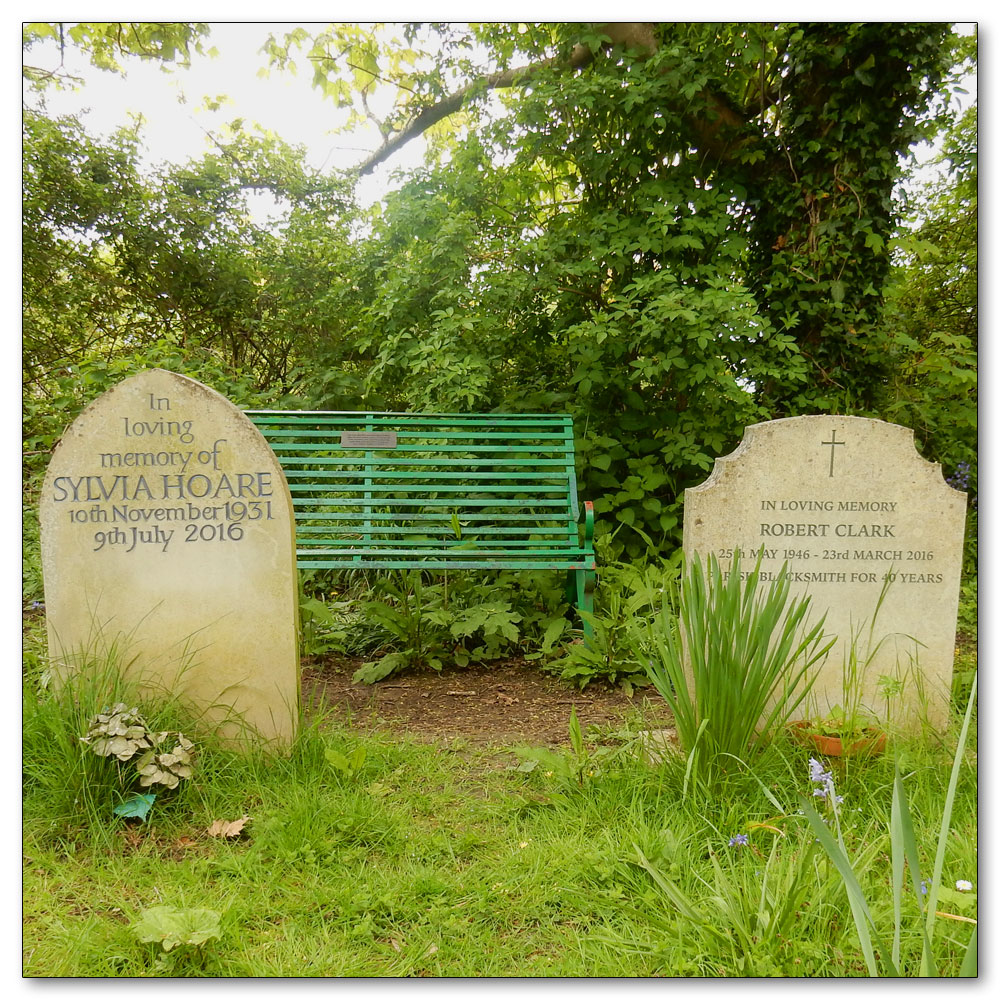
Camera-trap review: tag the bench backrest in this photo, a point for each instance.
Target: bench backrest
(391, 490)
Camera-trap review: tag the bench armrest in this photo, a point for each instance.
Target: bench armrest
(588, 523)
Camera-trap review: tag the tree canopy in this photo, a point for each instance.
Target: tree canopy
(669, 230)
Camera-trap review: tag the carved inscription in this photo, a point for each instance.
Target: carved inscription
(828, 543)
(195, 502)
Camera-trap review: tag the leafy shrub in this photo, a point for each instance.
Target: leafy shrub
(454, 620)
(339, 627)
(624, 594)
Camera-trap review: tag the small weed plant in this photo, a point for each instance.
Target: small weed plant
(576, 766)
(181, 935)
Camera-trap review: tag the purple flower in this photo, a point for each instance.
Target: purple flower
(959, 479)
(825, 780)
(740, 840)
(817, 774)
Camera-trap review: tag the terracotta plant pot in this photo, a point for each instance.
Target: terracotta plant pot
(870, 742)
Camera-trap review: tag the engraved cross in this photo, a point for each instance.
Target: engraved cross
(833, 443)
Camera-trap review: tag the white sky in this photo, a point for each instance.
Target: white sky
(174, 132)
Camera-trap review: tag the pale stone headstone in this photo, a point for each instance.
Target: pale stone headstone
(846, 502)
(167, 540)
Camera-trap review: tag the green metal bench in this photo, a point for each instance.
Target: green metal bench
(435, 491)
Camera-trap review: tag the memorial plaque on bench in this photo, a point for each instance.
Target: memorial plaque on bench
(168, 537)
(370, 440)
(848, 504)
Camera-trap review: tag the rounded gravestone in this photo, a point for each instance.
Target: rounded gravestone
(167, 540)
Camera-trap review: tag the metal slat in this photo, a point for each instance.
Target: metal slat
(391, 416)
(387, 489)
(335, 474)
(388, 553)
(443, 531)
(587, 563)
(479, 502)
(492, 544)
(434, 437)
(484, 454)
(539, 518)
(323, 459)
(509, 478)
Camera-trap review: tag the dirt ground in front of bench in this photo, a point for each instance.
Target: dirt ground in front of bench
(500, 704)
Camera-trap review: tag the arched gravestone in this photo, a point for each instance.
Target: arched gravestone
(848, 502)
(168, 537)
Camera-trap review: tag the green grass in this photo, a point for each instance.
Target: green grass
(445, 860)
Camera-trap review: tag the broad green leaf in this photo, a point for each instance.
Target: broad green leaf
(136, 806)
(170, 927)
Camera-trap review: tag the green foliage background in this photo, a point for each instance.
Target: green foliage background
(670, 234)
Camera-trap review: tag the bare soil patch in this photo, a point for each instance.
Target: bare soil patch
(505, 703)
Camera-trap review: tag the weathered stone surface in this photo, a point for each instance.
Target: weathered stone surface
(168, 538)
(846, 502)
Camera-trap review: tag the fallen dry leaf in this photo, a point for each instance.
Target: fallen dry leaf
(224, 828)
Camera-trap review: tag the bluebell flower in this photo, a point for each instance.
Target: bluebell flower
(825, 780)
(740, 840)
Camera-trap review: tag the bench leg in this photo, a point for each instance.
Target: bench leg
(586, 580)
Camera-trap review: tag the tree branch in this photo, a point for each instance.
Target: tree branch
(518, 76)
(638, 37)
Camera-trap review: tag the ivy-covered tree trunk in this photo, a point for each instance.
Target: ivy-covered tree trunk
(822, 198)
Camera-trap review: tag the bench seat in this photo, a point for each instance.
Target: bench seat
(434, 491)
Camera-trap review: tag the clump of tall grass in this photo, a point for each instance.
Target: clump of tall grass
(62, 778)
(734, 664)
(880, 960)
